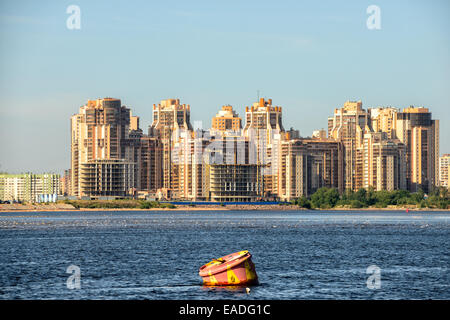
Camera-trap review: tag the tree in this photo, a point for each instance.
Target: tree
(361, 196)
(418, 196)
(325, 198)
(303, 202)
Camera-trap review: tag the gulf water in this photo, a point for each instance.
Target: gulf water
(157, 254)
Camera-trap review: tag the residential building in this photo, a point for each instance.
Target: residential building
(444, 164)
(171, 120)
(384, 120)
(28, 186)
(348, 125)
(102, 130)
(107, 178)
(226, 120)
(381, 162)
(420, 134)
(150, 164)
(309, 164)
(66, 183)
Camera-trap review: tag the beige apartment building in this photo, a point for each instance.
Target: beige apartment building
(226, 120)
(444, 164)
(414, 128)
(150, 164)
(264, 129)
(309, 164)
(171, 120)
(102, 132)
(384, 120)
(66, 183)
(381, 162)
(420, 134)
(229, 174)
(348, 125)
(381, 148)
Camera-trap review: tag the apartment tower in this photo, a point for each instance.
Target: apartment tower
(348, 125)
(103, 155)
(420, 134)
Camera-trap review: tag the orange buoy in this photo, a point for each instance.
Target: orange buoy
(235, 269)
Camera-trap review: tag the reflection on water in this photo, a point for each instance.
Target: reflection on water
(156, 255)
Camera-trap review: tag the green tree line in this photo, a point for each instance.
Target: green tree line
(326, 198)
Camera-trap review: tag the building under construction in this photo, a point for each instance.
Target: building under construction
(107, 178)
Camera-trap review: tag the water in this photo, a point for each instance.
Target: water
(156, 255)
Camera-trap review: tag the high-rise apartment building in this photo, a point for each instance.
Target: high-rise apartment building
(150, 164)
(384, 120)
(228, 173)
(171, 120)
(264, 129)
(348, 125)
(414, 128)
(444, 164)
(420, 134)
(381, 148)
(381, 162)
(263, 116)
(226, 120)
(100, 132)
(66, 183)
(310, 164)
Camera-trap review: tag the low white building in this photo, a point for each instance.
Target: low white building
(29, 187)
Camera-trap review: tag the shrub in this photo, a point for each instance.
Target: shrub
(303, 202)
(356, 204)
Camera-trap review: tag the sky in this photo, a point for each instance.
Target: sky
(307, 56)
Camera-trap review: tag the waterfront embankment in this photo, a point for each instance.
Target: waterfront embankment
(108, 206)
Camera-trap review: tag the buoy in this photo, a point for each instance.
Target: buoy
(407, 210)
(236, 269)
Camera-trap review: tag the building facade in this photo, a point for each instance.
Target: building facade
(420, 134)
(102, 130)
(444, 164)
(170, 120)
(28, 187)
(309, 164)
(348, 125)
(107, 178)
(381, 163)
(226, 120)
(381, 148)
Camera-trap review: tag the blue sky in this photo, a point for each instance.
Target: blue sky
(308, 56)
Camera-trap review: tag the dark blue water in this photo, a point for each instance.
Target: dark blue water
(156, 255)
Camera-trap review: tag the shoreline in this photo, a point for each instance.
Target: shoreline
(240, 207)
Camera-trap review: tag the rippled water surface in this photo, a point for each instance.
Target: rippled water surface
(156, 255)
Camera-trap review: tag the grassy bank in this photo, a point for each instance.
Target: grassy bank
(117, 204)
